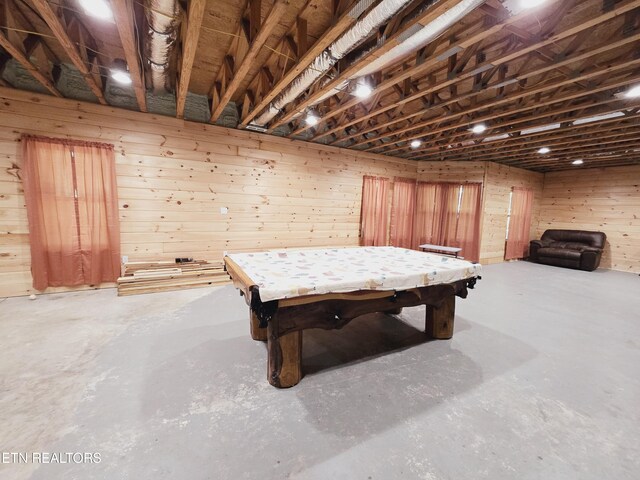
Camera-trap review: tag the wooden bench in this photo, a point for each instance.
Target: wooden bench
(453, 251)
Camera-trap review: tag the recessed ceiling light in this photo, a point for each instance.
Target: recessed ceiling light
(121, 77)
(479, 128)
(544, 150)
(634, 92)
(531, 3)
(120, 72)
(311, 119)
(97, 8)
(577, 162)
(416, 144)
(363, 90)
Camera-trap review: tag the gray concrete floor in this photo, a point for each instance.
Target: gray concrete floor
(540, 381)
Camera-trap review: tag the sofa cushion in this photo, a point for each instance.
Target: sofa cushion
(593, 239)
(554, 252)
(576, 246)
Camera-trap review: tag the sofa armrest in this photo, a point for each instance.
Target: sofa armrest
(534, 245)
(587, 248)
(590, 259)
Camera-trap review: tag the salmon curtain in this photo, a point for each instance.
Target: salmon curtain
(98, 208)
(403, 212)
(71, 197)
(468, 228)
(373, 220)
(435, 213)
(519, 224)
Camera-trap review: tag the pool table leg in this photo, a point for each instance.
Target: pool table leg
(439, 321)
(257, 333)
(284, 365)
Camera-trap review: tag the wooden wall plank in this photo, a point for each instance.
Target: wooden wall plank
(599, 199)
(174, 176)
(498, 181)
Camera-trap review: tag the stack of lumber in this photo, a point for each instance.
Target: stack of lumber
(150, 277)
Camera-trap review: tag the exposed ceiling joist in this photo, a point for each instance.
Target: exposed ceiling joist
(273, 17)
(191, 35)
(502, 60)
(334, 31)
(397, 37)
(123, 14)
(13, 45)
(59, 31)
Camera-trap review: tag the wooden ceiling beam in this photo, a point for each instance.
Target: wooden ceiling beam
(614, 67)
(271, 21)
(296, 42)
(123, 14)
(549, 116)
(591, 153)
(591, 52)
(59, 31)
(421, 19)
(543, 119)
(537, 139)
(589, 165)
(531, 47)
(575, 146)
(191, 34)
(255, 18)
(340, 26)
(474, 34)
(302, 36)
(18, 54)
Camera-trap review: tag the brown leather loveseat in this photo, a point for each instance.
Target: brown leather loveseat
(578, 249)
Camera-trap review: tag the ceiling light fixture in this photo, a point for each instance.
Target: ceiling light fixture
(312, 118)
(531, 3)
(544, 150)
(97, 8)
(416, 144)
(577, 162)
(634, 92)
(479, 128)
(363, 90)
(120, 72)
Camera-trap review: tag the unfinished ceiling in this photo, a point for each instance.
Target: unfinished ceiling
(544, 86)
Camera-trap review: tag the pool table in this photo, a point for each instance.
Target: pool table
(290, 291)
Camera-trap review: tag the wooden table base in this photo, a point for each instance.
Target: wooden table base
(285, 320)
(257, 333)
(284, 338)
(439, 321)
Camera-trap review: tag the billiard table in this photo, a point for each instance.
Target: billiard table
(289, 291)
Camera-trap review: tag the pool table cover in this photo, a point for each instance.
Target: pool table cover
(283, 274)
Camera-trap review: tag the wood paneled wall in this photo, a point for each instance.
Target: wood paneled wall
(603, 199)
(175, 176)
(498, 181)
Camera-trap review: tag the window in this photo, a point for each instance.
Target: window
(373, 219)
(403, 212)
(449, 214)
(509, 214)
(71, 196)
(519, 223)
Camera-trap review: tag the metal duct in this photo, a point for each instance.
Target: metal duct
(163, 18)
(337, 50)
(411, 40)
(414, 40)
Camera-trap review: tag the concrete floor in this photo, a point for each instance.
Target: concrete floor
(540, 381)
